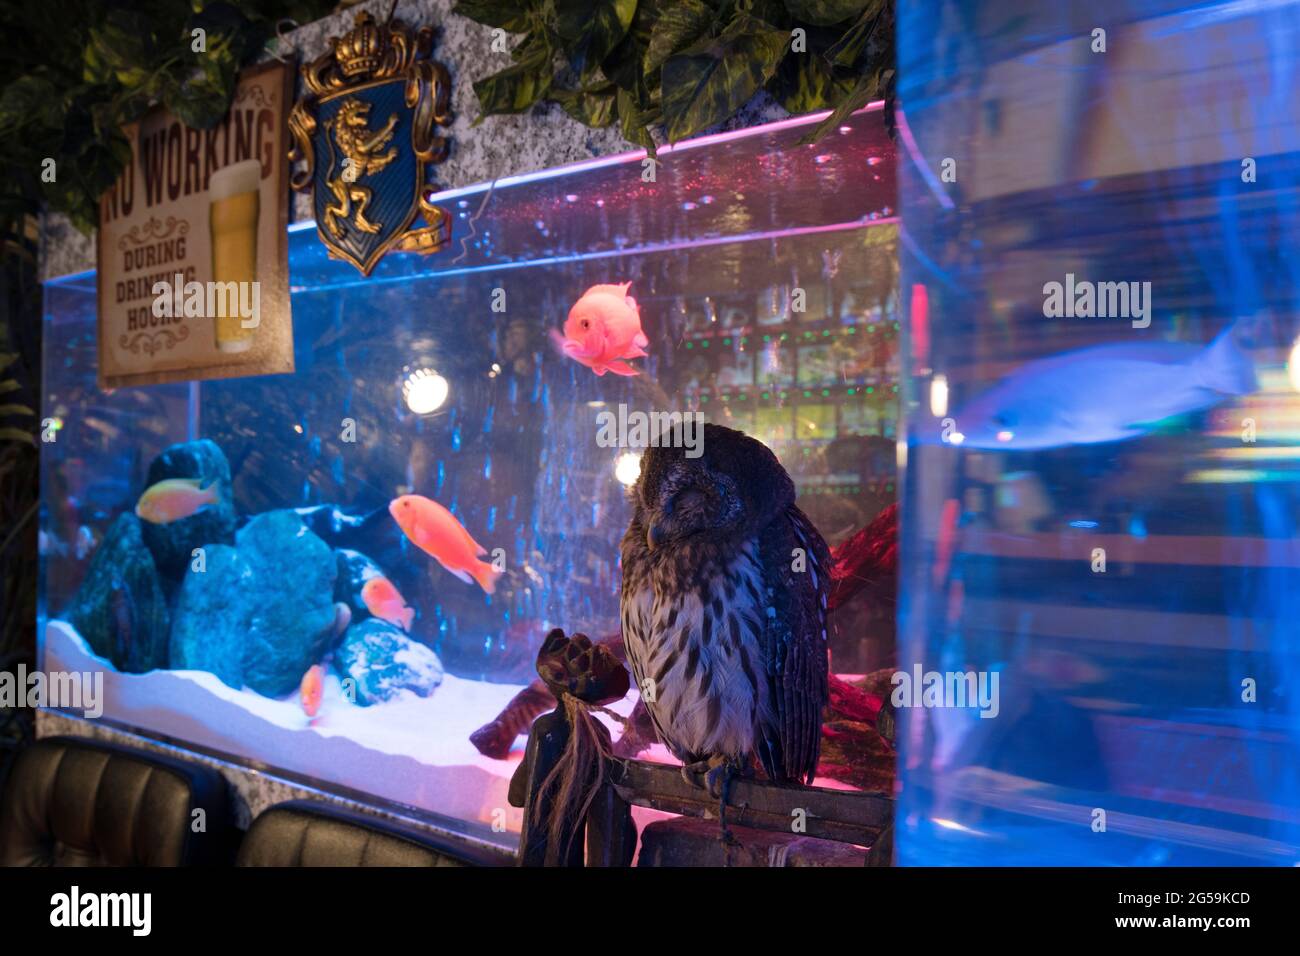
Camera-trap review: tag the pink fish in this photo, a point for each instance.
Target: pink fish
(603, 329)
(175, 498)
(435, 531)
(312, 690)
(385, 602)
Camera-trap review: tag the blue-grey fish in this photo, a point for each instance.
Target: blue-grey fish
(1104, 393)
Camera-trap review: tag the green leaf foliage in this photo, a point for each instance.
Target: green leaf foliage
(509, 15)
(682, 66)
(591, 29)
(635, 122)
(709, 81)
(594, 106)
(867, 88)
(517, 87)
(824, 13)
(623, 65)
(679, 26)
(8, 433)
(805, 84)
(854, 45)
(75, 71)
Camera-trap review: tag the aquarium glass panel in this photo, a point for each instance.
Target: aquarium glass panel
(271, 608)
(1100, 554)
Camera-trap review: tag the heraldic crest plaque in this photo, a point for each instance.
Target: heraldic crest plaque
(367, 126)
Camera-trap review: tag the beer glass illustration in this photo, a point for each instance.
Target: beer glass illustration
(232, 219)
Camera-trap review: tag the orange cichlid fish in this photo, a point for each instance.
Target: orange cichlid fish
(434, 530)
(312, 689)
(603, 329)
(173, 499)
(384, 601)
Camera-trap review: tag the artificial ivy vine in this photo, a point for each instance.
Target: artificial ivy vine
(75, 71)
(686, 65)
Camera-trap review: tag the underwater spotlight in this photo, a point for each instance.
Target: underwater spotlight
(627, 469)
(424, 391)
(1293, 366)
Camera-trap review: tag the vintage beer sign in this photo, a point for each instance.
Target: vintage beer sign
(366, 128)
(193, 245)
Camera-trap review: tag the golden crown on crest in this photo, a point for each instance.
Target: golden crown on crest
(369, 51)
(361, 49)
(362, 164)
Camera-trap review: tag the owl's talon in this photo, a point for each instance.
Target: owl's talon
(717, 779)
(689, 771)
(724, 773)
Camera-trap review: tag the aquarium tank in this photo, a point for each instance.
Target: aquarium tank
(287, 621)
(1100, 550)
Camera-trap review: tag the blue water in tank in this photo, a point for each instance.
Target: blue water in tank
(765, 271)
(1100, 583)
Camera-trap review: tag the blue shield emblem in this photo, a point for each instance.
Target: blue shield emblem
(366, 127)
(366, 190)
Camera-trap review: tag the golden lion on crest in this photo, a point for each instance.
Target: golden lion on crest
(361, 157)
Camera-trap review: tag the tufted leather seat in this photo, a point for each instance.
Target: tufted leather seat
(306, 833)
(70, 801)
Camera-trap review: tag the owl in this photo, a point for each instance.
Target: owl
(723, 608)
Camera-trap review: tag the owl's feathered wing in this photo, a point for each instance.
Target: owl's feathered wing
(788, 738)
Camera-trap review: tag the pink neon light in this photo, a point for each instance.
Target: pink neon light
(601, 162)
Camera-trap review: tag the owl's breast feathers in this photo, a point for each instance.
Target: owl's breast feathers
(727, 642)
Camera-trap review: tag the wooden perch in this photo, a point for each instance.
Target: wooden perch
(841, 815)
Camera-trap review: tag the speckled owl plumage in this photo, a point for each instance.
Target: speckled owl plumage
(725, 583)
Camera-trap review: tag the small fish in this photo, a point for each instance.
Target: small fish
(434, 530)
(385, 602)
(603, 329)
(1105, 393)
(175, 498)
(312, 689)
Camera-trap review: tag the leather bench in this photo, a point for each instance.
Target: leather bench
(307, 833)
(70, 801)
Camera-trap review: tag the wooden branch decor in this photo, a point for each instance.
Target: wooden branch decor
(566, 766)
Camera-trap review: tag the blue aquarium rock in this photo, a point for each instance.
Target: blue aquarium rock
(289, 595)
(212, 618)
(384, 662)
(120, 608)
(172, 544)
(382, 548)
(355, 569)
